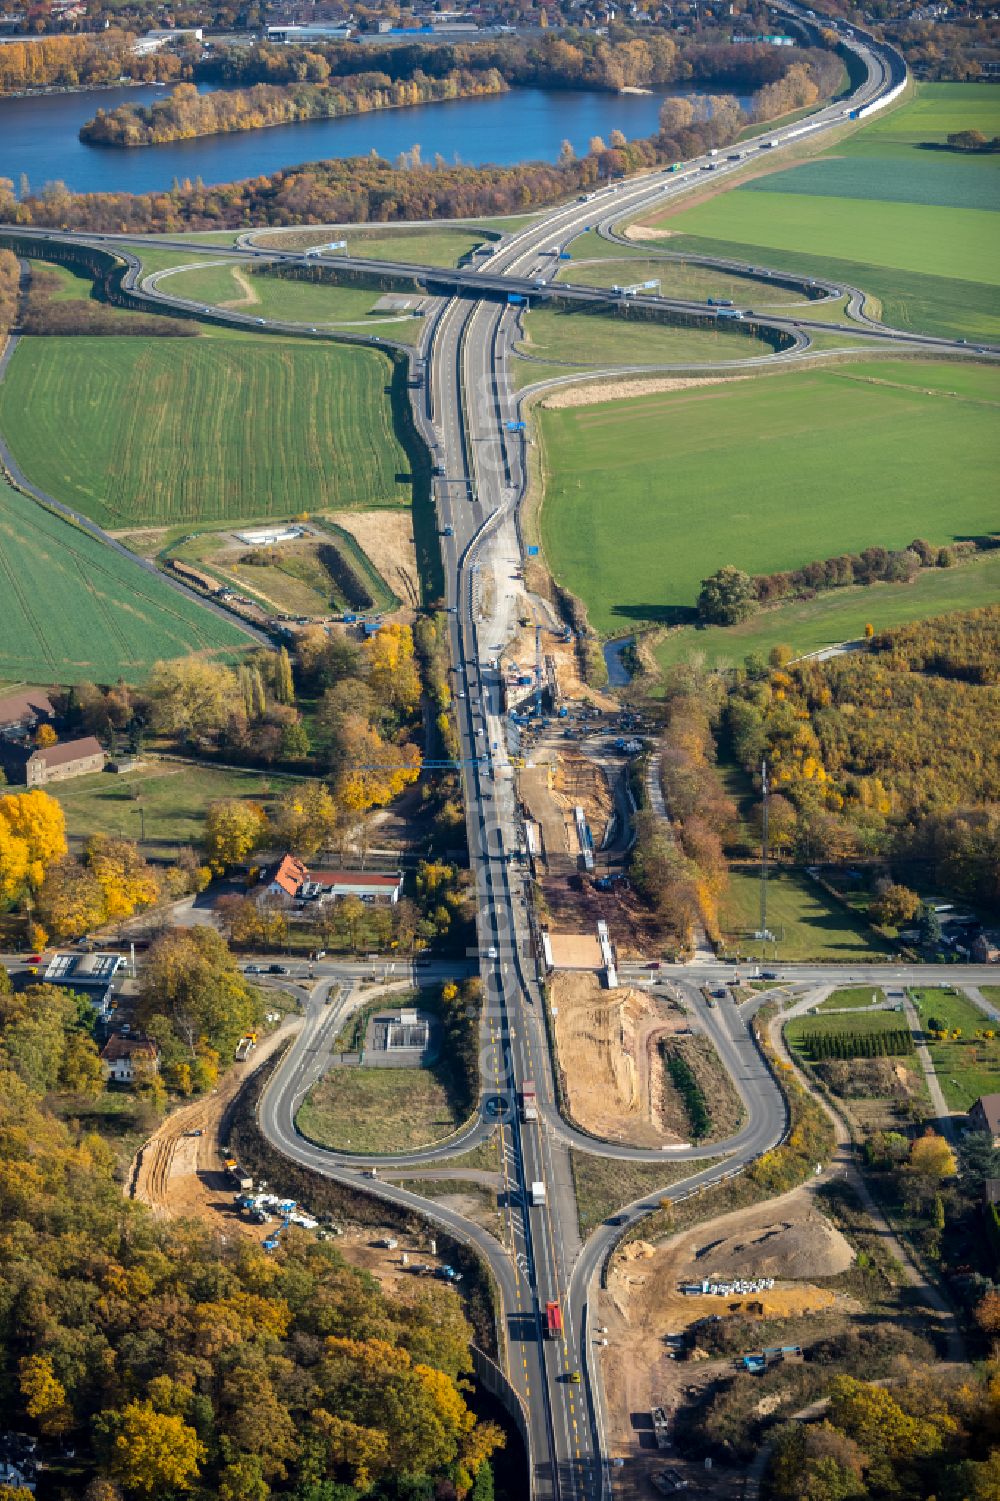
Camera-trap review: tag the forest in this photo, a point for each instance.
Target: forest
(153, 1360)
(889, 752)
(186, 113)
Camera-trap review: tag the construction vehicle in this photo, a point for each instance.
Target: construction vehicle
(537, 1195)
(242, 1180)
(245, 1047)
(529, 1101)
(661, 1427)
(553, 1320)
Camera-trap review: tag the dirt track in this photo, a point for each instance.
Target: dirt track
(178, 1174)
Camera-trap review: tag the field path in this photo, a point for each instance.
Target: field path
(250, 296)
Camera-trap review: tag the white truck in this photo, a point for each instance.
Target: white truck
(537, 1194)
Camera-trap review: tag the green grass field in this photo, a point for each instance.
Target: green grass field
(75, 612)
(681, 279)
(851, 998)
(586, 339)
(380, 1110)
(885, 209)
(154, 431)
(646, 498)
(807, 923)
(172, 796)
(306, 302)
(970, 1066)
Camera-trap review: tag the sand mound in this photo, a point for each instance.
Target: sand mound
(805, 1247)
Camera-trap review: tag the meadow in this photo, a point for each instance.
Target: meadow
(74, 611)
(681, 279)
(575, 338)
(646, 498)
(379, 1110)
(967, 1066)
(173, 798)
(885, 208)
(805, 921)
(155, 431)
(281, 297)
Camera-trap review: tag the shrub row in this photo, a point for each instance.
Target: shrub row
(893, 1044)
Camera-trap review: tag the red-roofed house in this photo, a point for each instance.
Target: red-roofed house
(291, 880)
(285, 878)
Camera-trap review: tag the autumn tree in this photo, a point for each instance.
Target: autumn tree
(234, 828)
(152, 1453)
(932, 1157)
(305, 818)
(190, 697)
(894, 906)
(45, 736)
(392, 669)
(70, 900)
(44, 1396)
(32, 837)
(126, 880)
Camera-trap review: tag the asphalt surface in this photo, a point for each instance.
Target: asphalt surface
(463, 409)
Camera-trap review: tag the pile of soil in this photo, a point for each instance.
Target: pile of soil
(806, 1246)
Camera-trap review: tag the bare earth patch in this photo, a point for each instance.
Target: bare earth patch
(647, 232)
(594, 392)
(607, 1046)
(387, 538)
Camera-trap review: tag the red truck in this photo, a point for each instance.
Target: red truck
(553, 1320)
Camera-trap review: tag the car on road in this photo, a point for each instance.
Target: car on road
(261, 321)
(34, 958)
(277, 969)
(769, 974)
(574, 1378)
(491, 952)
(253, 969)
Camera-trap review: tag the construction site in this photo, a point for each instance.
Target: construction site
(607, 1043)
(183, 1172)
(765, 1263)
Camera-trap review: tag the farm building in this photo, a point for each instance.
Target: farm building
(57, 763)
(271, 536)
(127, 1058)
(22, 712)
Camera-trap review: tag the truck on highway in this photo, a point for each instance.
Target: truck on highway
(537, 1195)
(553, 1320)
(529, 1101)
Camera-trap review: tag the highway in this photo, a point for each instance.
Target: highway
(462, 410)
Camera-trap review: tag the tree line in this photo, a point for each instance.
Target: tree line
(10, 281)
(71, 62)
(730, 596)
(185, 113)
(45, 312)
(369, 189)
(895, 1043)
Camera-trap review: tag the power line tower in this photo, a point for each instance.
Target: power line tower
(765, 789)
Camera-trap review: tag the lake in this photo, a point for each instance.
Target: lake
(38, 137)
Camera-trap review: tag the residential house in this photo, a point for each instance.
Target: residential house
(129, 1056)
(985, 1116)
(290, 880)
